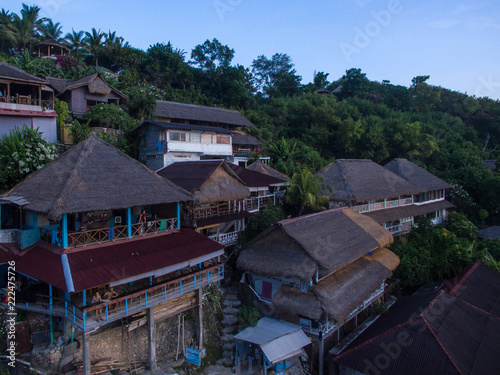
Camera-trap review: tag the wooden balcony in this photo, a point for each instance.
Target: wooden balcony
(225, 238)
(84, 318)
(251, 204)
(97, 236)
(374, 206)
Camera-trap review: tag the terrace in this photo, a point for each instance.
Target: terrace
(251, 204)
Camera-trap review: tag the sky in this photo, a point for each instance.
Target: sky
(456, 42)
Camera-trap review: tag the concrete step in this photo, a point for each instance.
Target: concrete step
(227, 362)
(232, 303)
(229, 320)
(229, 346)
(229, 330)
(227, 338)
(230, 311)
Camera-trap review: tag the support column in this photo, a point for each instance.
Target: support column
(86, 352)
(65, 231)
(321, 354)
(178, 215)
(129, 222)
(200, 319)
(151, 339)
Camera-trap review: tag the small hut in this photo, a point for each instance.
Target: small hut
(51, 48)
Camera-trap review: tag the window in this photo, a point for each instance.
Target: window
(218, 138)
(207, 138)
(162, 135)
(225, 140)
(177, 136)
(196, 137)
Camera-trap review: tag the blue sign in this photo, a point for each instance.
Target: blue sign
(193, 356)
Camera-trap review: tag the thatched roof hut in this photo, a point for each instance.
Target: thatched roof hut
(13, 73)
(209, 180)
(261, 167)
(338, 294)
(416, 175)
(256, 180)
(96, 84)
(91, 176)
(362, 180)
(331, 239)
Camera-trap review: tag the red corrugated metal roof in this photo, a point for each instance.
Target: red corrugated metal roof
(102, 265)
(11, 112)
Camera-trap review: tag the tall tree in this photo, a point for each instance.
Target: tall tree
(76, 43)
(7, 30)
(94, 43)
(304, 191)
(50, 30)
(26, 26)
(276, 77)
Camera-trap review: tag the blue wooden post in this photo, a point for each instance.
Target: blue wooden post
(150, 280)
(84, 316)
(194, 282)
(74, 315)
(84, 297)
(165, 288)
(65, 230)
(208, 277)
(129, 221)
(106, 312)
(180, 287)
(65, 308)
(146, 295)
(126, 306)
(50, 295)
(222, 271)
(178, 215)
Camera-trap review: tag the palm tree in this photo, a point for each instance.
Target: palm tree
(94, 43)
(76, 42)
(50, 30)
(7, 35)
(26, 26)
(304, 191)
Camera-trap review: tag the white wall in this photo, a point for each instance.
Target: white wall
(47, 125)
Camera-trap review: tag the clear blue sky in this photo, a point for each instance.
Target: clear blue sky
(456, 42)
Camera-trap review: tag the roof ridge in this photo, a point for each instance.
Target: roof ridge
(439, 342)
(406, 322)
(477, 308)
(298, 218)
(464, 279)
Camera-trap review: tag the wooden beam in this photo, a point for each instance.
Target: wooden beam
(151, 339)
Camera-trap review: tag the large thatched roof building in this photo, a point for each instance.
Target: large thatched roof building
(392, 195)
(319, 266)
(93, 176)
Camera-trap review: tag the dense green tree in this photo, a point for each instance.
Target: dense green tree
(94, 43)
(354, 82)
(276, 77)
(260, 222)
(76, 43)
(50, 30)
(110, 116)
(304, 193)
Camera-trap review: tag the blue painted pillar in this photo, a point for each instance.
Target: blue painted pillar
(67, 297)
(150, 280)
(129, 221)
(84, 297)
(178, 215)
(50, 295)
(65, 230)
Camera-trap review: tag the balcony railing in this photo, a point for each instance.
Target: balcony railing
(249, 204)
(129, 304)
(97, 236)
(225, 238)
(381, 205)
(256, 203)
(27, 100)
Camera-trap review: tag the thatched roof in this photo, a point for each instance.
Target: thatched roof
(177, 126)
(94, 175)
(277, 257)
(290, 300)
(52, 42)
(343, 291)
(254, 179)
(95, 82)
(490, 232)
(331, 239)
(261, 167)
(199, 113)
(396, 213)
(241, 138)
(14, 73)
(337, 295)
(416, 175)
(209, 180)
(361, 180)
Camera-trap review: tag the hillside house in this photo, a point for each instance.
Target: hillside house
(188, 132)
(26, 100)
(223, 201)
(440, 329)
(94, 219)
(320, 271)
(393, 195)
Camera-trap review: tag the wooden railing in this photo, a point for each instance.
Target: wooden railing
(97, 236)
(225, 238)
(84, 318)
(381, 205)
(226, 208)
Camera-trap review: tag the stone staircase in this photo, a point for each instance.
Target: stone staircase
(229, 324)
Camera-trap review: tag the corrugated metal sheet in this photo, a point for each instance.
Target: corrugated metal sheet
(278, 340)
(103, 265)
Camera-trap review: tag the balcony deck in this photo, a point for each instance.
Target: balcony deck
(84, 318)
(251, 204)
